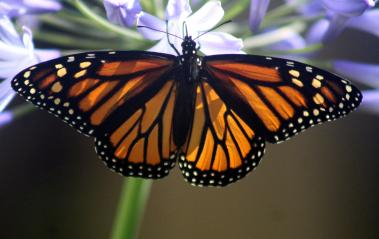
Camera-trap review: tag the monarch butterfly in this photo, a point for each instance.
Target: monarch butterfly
(212, 114)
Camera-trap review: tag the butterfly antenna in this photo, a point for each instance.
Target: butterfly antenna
(169, 42)
(213, 28)
(185, 28)
(166, 32)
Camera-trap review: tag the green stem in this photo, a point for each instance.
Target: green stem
(274, 36)
(69, 41)
(17, 112)
(236, 9)
(281, 11)
(134, 195)
(287, 20)
(102, 22)
(22, 110)
(305, 50)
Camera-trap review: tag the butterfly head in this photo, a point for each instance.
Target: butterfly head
(188, 46)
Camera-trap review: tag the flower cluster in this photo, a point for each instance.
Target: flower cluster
(129, 13)
(17, 50)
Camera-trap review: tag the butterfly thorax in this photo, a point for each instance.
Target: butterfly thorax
(189, 59)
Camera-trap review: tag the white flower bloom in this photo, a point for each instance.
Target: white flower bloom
(122, 12)
(179, 12)
(16, 53)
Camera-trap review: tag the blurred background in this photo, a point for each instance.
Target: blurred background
(320, 184)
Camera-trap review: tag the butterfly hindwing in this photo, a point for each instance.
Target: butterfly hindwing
(142, 145)
(221, 147)
(113, 96)
(284, 97)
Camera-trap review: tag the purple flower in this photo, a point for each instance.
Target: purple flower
(5, 118)
(360, 72)
(341, 11)
(16, 8)
(348, 8)
(368, 22)
(365, 73)
(16, 53)
(122, 12)
(313, 7)
(178, 12)
(258, 9)
(317, 31)
(371, 100)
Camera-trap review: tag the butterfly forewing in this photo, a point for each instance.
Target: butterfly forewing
(284, 97)
(114, 96)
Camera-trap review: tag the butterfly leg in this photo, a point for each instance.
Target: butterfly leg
(168, 40)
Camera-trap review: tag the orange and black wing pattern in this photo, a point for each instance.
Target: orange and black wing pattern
(124, 99)
(221, 147)
(282, 97)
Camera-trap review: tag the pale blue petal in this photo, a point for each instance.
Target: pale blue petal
(368, 22)
(163, 47)
(310, 8)
(371, 100)
(5, 118)
(147, 20)
(8, 33)
(206, 17)
(258, 9)
(16, 8)
(178, 9)
(360, 72)
(348, 8)
(336, 26)
(296, 41)
(220, 43)
(27, 39)
(317, 32)
(122, 12)
(45, 55)
(6, 93)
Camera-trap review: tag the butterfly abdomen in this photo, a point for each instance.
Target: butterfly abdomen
(183, 111)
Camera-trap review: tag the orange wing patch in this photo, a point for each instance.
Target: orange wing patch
(143, 140)
(117, 68)
(250, 71)
(222, 147)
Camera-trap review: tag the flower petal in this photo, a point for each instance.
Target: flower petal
(5, 118)
(178, 9)
(16, 8)
(258, 9)
(163, 47)
(45, 55)
(336, 26)
(360, 72)
(317, 31)
(311, 8)
(6, 93)
(147, 20)
(348, 8)
(8, 33)
(220, 43)
(27, 39)
(206, 17)
(122, 12)
(368, 22)
(371, 100)
(296, 41)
